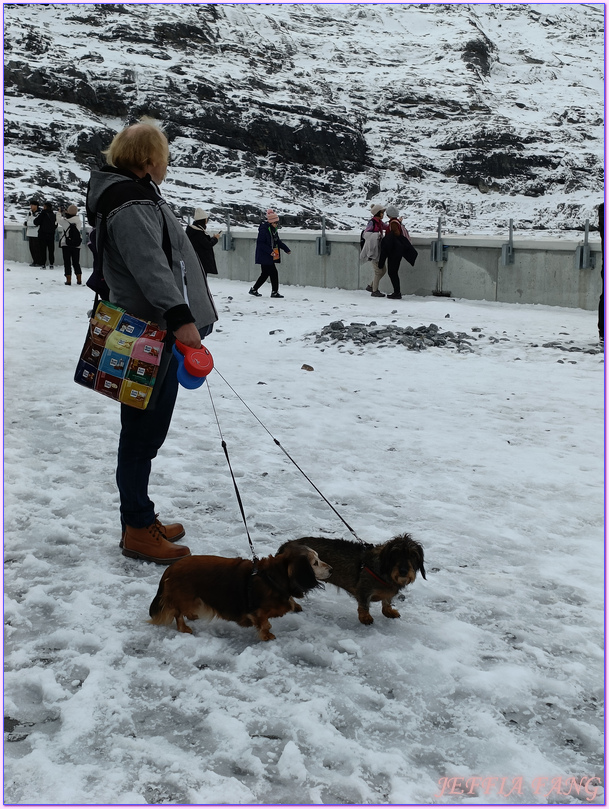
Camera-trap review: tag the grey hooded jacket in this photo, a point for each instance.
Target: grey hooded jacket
(135, 265)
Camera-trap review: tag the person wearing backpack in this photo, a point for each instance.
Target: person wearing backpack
(153, 272)
(46, 221)
(268, 254)
(70, 241)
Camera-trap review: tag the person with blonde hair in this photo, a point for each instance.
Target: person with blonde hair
(152, 272)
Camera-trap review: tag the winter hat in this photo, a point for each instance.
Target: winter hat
(271, 216)
(34, 202)
(72, 210)
(374, 209)
(201, 214)
(392, 212)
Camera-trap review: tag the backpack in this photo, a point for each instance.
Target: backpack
(72, 236)
(96, 280)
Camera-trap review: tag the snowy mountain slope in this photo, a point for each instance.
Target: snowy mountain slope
(478, 113)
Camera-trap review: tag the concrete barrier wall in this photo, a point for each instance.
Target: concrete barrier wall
(543, 271)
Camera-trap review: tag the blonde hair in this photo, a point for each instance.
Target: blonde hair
(137, 146)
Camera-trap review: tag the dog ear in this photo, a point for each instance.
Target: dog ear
(388, 557)
(421, 564)
(301, 575)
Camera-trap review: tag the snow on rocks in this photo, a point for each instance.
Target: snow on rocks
(413, 338)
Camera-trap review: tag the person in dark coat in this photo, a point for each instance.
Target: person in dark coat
(392, 249)
(31, 234)
(202, 242)
(601, 300)
(268, 254)
(47, 225)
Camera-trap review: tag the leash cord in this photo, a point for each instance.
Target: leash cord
(225, 448)
(283, 450)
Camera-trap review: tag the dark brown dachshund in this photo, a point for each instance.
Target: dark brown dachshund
(215, 587)
(369, 572)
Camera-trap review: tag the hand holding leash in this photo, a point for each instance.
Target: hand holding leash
(194, 364)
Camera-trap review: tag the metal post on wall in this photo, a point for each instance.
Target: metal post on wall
(227, 239)
(507, 249)
(322, 244)
(439, 254)
(584, 260)
(437, 246)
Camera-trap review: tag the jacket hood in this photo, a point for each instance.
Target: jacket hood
(101, 180)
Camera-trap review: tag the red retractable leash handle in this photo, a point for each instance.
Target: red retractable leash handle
(194, 364)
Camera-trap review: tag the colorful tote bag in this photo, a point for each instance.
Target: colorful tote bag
(121, 356)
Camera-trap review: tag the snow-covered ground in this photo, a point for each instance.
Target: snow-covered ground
(492, 459)
(529, 126)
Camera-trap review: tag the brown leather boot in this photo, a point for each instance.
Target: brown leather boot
(68, 280)
(151, 545)
(79, 279)
(171, 532)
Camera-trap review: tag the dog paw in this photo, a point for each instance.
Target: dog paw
(389, 612)
(296, 608)
(184, 628)
(365, 618)
(267, 636)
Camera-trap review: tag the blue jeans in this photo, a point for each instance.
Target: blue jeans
(142, 435)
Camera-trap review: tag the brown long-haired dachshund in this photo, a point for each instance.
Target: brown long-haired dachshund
(369, 572)
(215, 587)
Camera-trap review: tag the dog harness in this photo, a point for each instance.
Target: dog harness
(375, 575)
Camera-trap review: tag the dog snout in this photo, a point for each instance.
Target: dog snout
(407, 574)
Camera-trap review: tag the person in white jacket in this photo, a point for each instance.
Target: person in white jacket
(371, 237)
(70, 241)
(31, 232)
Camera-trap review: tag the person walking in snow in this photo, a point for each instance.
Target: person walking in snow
(395, 241)
(371, 237)
(70, 241)
(31, 234)
(148, 260)
(202, 242)
(47, 225)
(268, 254)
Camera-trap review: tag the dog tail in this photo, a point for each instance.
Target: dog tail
(160, 613)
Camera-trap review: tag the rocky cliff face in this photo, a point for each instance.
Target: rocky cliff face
(476, 113)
